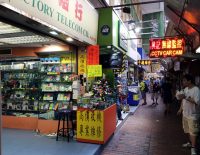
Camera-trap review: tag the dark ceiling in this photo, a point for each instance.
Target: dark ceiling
(185, 15)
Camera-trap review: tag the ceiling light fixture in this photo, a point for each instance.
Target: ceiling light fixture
(69, 39)
(53, 33)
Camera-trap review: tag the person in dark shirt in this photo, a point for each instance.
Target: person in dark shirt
(167, 95)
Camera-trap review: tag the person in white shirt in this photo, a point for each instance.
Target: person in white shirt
(190, 109)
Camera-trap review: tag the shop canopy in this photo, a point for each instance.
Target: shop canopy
(186, 16)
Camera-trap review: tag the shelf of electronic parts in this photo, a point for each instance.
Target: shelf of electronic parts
(49, 63)
(22, 89)
(28, 78)
(20, 70)
(56, 73)
(46, 91)
(22, 99)
(56, 100)
(22, 111)
(66, 82)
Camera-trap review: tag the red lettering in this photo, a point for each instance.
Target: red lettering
(78, 11)
(64, 4)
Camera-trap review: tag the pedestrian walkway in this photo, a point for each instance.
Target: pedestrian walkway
(149, 132)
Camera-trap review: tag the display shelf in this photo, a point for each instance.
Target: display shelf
(50, 63)
(22, 111)
(25, 89)
(66, 82)
(21, 70)
(45, 91)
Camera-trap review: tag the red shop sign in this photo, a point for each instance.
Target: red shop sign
(168, 47)
(93, 55)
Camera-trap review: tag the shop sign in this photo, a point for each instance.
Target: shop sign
(93, 55)
(144, 62)
(68, 58)
(170, 47)
(90, 125)
(82, 62)
(67, 16)
(105, 29)
(94, 71)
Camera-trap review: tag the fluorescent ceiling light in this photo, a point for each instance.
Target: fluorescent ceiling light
(69, 39)
(53, 33)
(198, 50)
(6, 29)
(24, 40)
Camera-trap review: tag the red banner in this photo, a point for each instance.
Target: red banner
(93, 55)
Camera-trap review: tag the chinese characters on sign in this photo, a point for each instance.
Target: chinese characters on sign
(78, 11)
(166, 47)
(81, 62)
(78, 8)
(94, 70)
(144, 62)
(90, 125)
(93, 55)
(64, 4)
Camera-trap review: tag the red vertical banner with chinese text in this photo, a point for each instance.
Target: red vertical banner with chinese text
(93, 55)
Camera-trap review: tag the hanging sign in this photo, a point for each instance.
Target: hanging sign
(93, 55)
(82, 62)
(90, 124)
(144, 62)
(94, 71)
(170, 47)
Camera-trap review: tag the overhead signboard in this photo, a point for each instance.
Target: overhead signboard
(169, 47)
(67, 16)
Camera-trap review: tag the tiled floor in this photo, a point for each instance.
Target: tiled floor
(20, 142)
(29, 143)
(149, 132)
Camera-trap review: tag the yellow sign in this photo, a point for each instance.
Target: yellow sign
(90, 125)
(136, 97)
(94, 70)
(68, 58)
(82, 61)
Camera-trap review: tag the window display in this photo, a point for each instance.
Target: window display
(37, 88)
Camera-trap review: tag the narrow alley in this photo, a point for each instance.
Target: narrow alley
(149, 132)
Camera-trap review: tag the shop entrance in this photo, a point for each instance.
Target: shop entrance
(30, 67)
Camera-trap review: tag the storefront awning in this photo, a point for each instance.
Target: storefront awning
(186, 16)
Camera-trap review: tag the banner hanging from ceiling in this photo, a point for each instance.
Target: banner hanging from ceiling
(168, 47)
